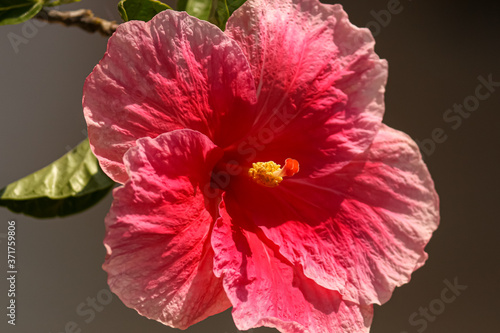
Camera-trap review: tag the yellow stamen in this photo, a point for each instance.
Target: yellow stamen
(270, 174)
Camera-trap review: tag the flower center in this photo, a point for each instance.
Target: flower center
(270, 174)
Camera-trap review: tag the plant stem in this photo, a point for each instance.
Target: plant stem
(83, 18)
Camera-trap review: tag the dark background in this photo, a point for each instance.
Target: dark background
(436, 52)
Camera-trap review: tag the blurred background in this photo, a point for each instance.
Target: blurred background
(438, 51)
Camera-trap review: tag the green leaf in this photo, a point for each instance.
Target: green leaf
(181, 5)
(69, 185)
(142, 10)
(52, 3)
(214, 11)
(199, 8)
(225, 8)
(221, 14)
(18, 11)
(232, 5)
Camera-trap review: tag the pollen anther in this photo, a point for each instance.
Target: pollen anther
(270, 174)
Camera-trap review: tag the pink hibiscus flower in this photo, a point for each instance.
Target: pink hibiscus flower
(194, 123)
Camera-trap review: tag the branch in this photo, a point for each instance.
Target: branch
(83, 18)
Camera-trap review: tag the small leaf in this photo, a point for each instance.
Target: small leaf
(142, 10)
(18, 11)
(69, 185)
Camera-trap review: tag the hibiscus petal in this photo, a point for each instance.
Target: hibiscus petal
(158, 231)
(320, 85)
(360, 230)
(172, 72)
(266, 290)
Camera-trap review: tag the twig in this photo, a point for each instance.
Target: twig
(83, 18)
